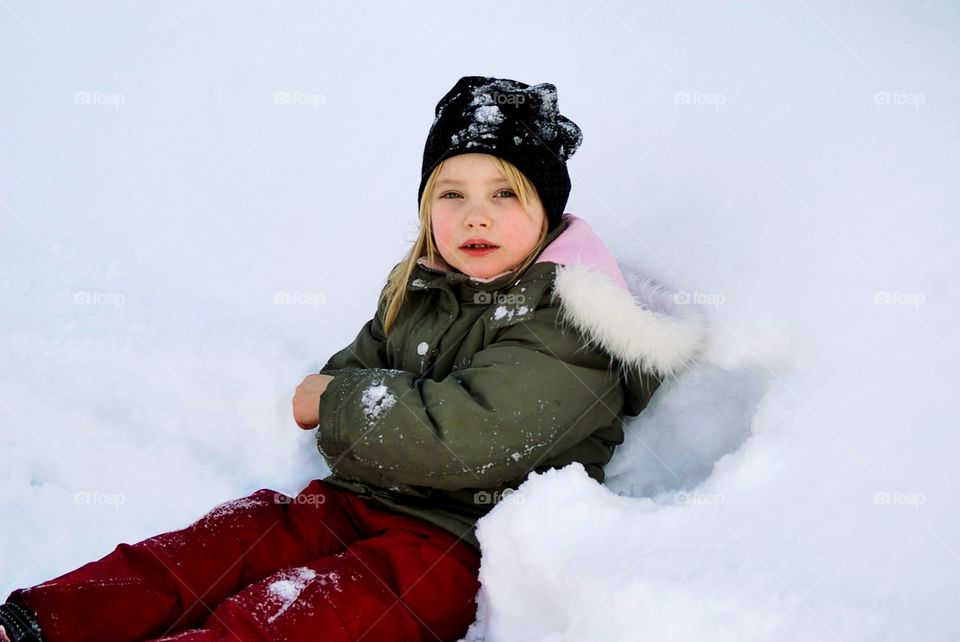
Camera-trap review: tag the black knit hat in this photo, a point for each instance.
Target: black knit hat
(513, 121)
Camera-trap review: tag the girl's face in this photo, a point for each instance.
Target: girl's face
(474, 203)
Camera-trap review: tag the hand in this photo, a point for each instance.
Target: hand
(306, 400)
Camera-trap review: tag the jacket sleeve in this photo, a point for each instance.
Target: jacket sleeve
(534, 392)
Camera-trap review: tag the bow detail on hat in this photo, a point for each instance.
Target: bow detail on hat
(529, 111)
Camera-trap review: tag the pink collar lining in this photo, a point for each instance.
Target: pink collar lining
(580, 244)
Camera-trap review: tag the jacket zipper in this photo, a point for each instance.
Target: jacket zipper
(435, 349)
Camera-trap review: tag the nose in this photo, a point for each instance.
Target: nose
(477, 216)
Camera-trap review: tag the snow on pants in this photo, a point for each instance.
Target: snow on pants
(325, 566)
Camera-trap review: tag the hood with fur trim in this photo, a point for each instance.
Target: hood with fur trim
(630, 316)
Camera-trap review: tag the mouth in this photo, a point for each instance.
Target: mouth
(478, 251)
(478, 247)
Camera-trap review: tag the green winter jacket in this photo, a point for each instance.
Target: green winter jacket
(480, 383)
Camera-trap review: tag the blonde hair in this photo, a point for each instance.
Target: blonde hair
(395, 291)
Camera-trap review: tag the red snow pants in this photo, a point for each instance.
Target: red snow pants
(325, 566)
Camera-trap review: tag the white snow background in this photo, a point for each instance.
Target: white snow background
(201, 200)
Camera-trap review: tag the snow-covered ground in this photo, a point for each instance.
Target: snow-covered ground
(200, 200)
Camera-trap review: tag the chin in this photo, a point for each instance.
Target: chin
(485, 273)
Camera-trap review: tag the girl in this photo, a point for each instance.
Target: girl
(506, 342)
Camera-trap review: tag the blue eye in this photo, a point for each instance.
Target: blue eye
(509, 194)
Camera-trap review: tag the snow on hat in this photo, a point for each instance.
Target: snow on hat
(513, 121)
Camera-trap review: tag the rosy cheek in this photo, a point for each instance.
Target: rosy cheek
(441, 232)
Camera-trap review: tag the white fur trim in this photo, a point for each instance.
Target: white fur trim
(644, 327)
